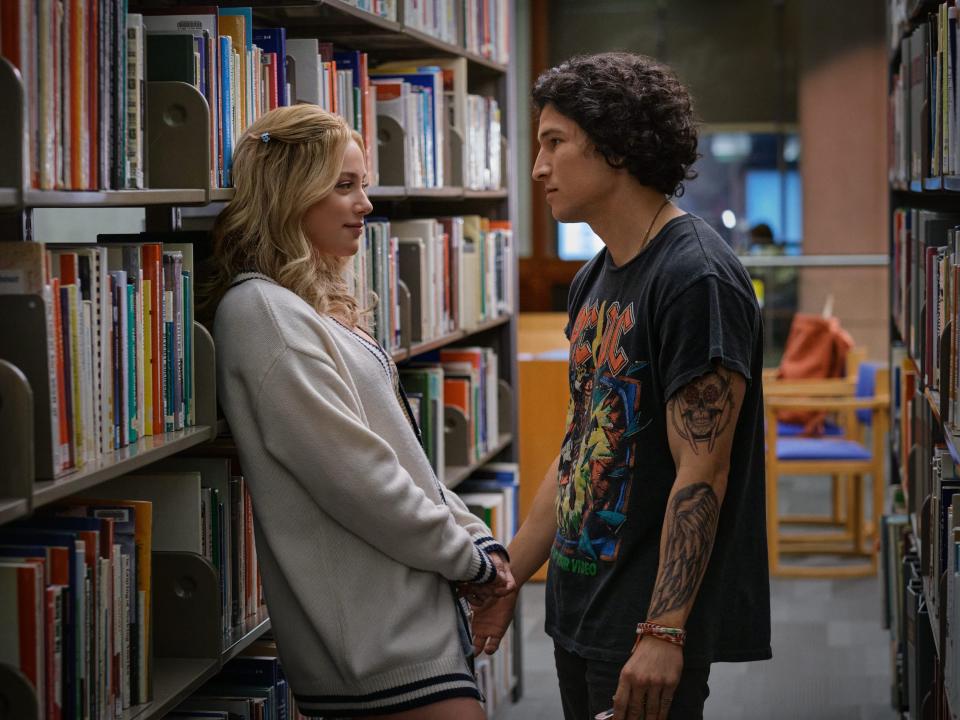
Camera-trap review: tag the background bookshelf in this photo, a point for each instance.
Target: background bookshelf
(179, 193)
(921, 525)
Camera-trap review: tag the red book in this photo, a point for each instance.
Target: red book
(93, 97)
(270, 62)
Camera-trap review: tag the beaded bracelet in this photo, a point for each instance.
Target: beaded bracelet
(677, 636)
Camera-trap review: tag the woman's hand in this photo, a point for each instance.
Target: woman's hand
(481, 596)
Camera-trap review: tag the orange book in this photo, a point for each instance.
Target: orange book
(69, 268)
(236, 27)
(93, 104)
(457, 393)
(332, 85)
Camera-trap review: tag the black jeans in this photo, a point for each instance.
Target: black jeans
(587, 687)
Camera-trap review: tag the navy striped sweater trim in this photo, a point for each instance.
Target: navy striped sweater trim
(463, 685)
(489, 545)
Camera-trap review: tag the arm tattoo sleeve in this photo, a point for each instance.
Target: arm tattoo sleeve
(694, 510)
(701, 411)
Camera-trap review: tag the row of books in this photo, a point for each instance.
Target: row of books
(492, 493)
(462, 378)
(926, 297)
(917, 555)
(428, 100)
(119, 339)
(73, 59)
(252, 686)
(924, 106)
(75, 589)
(457, 270)
(84, 71)
(479, 26)
(386, 9)
(76, 586)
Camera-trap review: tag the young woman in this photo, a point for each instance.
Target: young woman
(359, 545)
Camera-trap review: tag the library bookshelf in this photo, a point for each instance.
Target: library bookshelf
(189, 646)
(921, 524)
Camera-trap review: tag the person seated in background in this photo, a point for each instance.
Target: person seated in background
(761, 240)
(362, 551)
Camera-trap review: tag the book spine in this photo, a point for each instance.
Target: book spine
(226, 107)
(130, 354)
(134, 100)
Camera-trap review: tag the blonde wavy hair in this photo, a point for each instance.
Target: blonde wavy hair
(285, 162)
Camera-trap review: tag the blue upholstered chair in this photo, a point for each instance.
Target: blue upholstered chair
(845, 453)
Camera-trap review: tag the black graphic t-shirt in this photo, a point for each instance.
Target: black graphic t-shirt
(639, 333)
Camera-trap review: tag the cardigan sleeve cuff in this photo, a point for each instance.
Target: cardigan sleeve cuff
(490, 546)
(482, 570)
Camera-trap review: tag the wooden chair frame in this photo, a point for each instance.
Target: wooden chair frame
(847, 543)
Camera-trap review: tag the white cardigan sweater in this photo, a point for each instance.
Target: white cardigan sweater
(357, 540)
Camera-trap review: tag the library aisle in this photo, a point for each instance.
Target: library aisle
(831, 657)
(830, 661)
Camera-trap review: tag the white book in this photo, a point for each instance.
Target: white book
(136, 51)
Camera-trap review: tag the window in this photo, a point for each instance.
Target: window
(744, 179)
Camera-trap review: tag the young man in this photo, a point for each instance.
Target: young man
(653, 514)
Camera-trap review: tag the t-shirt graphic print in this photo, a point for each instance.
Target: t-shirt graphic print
(597, 457)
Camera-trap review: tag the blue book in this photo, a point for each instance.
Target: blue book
(187, 347)
(117, 385)
(226, 109)
(274, 40)
(258, 671)
(133, 411)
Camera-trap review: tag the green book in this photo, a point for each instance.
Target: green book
(170, 56)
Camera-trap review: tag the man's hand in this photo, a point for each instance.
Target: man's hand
(480, 596)
(490, 623)
(648, 681)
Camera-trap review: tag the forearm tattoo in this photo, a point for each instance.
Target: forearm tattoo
(694, 512)
(701, 411)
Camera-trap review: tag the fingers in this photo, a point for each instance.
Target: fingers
(652, 706)
(665, 701)
(620, 700)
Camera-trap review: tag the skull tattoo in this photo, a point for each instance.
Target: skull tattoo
(701, 411)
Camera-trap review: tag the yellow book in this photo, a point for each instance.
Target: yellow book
(72, 316)
(235, 27)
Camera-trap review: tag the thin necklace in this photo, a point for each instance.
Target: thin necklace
(646, 235)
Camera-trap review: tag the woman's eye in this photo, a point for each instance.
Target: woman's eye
(345, 185)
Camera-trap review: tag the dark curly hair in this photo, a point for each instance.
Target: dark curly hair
(634, 110)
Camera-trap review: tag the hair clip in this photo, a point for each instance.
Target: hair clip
(265, 137)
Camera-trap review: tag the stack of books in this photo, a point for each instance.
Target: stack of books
(119, 339)
(458, 271)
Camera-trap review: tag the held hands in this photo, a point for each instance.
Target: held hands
(480, 596)
(648, 681)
